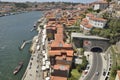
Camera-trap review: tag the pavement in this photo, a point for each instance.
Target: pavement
(96, 70)
(107, 61)
(33, 71)
(90, 59)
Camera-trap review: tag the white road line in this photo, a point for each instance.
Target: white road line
(96, 66)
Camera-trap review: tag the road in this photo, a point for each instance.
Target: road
(96, 67)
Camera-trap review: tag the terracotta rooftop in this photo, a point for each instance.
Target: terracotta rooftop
(51, 26)
(85, 20)
(58, 42)
(90, 15)
(57, 78)
(60, 49)
(64, 57)
(61, 67)
(97, 19)
(58, 52)
(86, 24)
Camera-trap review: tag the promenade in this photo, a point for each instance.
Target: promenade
(38, 63)
(33, 71)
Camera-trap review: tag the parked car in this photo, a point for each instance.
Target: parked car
(104, 73)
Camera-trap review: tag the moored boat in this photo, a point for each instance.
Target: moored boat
(17, 69)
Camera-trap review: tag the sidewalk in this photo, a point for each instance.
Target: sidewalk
(33, 70)
(90, 59)
(106, 65)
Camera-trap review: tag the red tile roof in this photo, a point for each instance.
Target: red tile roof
(58, 46)
(58, 78)
(86, 24)
(85, 21)
(90, 15)
(58, 52)
(61, 67)
(97, 19)
(64, 57)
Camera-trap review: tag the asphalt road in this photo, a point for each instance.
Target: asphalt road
(96, 67)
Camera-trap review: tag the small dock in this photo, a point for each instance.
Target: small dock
(24, 43)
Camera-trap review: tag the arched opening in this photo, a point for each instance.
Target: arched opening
(96, 49)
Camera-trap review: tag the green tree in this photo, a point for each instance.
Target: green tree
(106, 15)
(114, 71)
(21, 5)
(72, 78)
(82, 66)
(112, 31)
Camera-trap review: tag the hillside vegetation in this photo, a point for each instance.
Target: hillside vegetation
(111, 31)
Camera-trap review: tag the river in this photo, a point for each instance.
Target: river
(13, 30)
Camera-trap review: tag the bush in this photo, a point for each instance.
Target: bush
(114, 71)
(72, 78)
(112, 31)
(82, 66)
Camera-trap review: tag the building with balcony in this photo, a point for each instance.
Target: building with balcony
(92, 21)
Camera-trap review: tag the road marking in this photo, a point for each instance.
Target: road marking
(96, 66)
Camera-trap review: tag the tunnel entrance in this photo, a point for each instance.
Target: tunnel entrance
(96, 49)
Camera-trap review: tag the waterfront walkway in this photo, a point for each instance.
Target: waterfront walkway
(38, 67)
(33, 71)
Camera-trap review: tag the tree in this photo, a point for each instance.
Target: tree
(72, 78)
(114, 71)
(21, 5)
(106, 15)
(112, 31)
(82, 66)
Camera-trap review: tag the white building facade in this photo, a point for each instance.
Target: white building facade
(100, 5)
(92, 21)
(96, 22)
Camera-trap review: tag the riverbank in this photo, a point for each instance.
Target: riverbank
(13, 30)
(12, 13)
(38, 64)
(33, 67)
(35, 38)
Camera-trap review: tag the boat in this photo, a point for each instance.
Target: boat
(17, 69)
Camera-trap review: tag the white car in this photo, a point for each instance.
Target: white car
(97, 73)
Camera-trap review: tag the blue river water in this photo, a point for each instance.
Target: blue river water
(13, 30)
